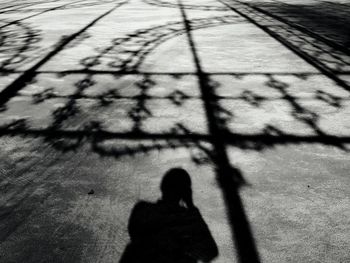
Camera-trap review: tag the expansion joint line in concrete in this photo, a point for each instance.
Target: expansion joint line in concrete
(18, 84)
(236, 7)
(229, 178)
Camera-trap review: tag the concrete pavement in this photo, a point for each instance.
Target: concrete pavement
(108, 95)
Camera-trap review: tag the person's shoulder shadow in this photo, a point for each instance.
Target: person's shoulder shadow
(171, 230)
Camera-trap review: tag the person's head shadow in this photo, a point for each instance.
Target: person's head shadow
(171, 230)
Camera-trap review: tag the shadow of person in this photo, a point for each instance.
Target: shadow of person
(171, 230)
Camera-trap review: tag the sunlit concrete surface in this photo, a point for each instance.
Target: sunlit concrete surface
(100, 98)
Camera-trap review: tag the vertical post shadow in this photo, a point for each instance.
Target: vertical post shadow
(229, 178)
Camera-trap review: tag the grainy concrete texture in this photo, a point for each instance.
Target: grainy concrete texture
(99, 98)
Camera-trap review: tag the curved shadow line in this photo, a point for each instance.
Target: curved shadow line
(65, 7)
(18, 8)
(129, 58)
(195, 7)
(15, 52)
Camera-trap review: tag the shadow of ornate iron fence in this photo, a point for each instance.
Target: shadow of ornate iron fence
(124, 119)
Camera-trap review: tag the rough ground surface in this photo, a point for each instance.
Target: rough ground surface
(107, 95)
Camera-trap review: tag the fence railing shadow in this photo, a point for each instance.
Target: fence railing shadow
(85, 116)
